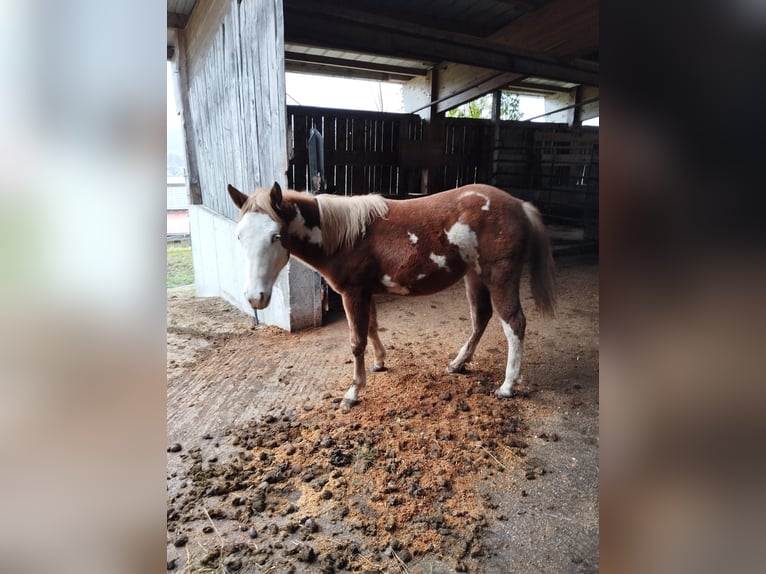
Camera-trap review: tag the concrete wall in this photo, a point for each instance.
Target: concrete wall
(219, 271)
(556, 101)
(591, 110)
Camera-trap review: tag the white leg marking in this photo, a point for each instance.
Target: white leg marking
(513, 367)
(465, 354)
(360, 379)
(466, 351)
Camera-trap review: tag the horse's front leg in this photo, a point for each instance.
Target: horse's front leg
(357, 306)
(379, 364)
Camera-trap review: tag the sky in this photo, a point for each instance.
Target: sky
(344, 93)
(306, 90)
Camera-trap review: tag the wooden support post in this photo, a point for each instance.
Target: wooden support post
(497, 97)
(576, 117)
(430, 180)
(182, 88)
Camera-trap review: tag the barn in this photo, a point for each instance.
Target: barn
(430, 472)
(230, 59)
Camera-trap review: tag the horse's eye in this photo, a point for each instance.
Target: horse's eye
(276, 237)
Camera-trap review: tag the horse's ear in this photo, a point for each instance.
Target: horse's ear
(237, 196)
(276, 195)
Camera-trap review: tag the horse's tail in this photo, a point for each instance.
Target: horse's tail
(542, 271)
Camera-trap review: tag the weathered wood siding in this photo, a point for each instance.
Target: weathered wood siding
(236, 97)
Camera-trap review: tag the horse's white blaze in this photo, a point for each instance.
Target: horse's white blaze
(413, 237)
(464, 238)
(484, 207)
(440, 260)
(421, 276)
(393, 286)
(299, 229)
(513, 367)
(264, 257)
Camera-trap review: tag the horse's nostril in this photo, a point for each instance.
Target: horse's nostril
(260, 301)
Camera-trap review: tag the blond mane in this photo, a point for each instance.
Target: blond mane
(345, 219)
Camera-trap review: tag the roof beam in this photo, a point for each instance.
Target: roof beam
(344, 72)
(176, 20)
(317, 24)
(563, 28)
(534, 87)
(299, 57)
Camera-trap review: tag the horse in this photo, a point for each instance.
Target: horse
(366, 245)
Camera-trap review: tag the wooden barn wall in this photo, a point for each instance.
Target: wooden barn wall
(552, 165)
(236, 97)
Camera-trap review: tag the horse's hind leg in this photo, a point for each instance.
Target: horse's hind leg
(357, 308)
(506, 301)
(377, 346)
(481, 311)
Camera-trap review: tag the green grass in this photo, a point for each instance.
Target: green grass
(366, 457)
(180, 269)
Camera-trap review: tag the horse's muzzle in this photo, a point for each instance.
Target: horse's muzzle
(260, 302)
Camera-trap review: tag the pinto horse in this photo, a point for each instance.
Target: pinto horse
(364, 245)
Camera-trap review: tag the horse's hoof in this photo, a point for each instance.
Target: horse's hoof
(503, 394)
(459, 370)
(346, 404)
(378, 369)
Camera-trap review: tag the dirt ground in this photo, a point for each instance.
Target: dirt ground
(429, 473)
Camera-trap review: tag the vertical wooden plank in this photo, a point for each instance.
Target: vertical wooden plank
(385, 146)
(301, 153)
(329, 150)
(345, 143)
(357, 146)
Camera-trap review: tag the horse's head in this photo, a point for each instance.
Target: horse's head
(261, 232)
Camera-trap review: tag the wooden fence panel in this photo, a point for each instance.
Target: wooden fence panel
(364, 152)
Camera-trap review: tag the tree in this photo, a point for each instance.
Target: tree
(509, 106)
(481, 108)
